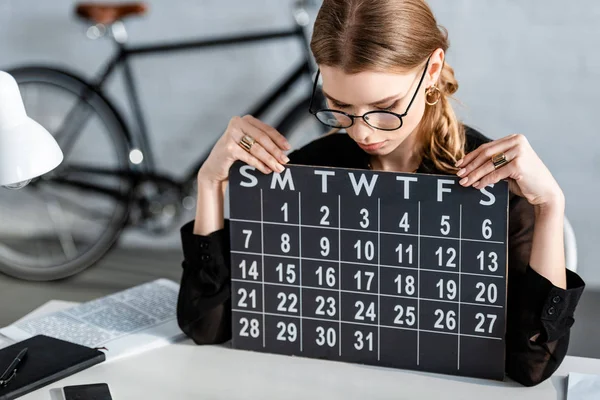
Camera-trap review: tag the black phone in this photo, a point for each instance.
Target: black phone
(96, 391)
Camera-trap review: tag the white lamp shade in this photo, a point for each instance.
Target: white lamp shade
(27, 149)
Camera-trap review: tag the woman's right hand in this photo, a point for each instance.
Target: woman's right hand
(266, 154)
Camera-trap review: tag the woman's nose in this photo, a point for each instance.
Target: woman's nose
(360, 131)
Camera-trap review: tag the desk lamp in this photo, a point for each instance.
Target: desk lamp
(27, 150)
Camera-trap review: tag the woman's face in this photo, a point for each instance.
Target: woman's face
(367, 91)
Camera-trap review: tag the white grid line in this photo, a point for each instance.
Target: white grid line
(378, 280)
(366, 230)
(418, 278)
(435, 270)
(340, 273)
(364, 324)
(454, 302)
(262, 249)
(300, 259)
(459, 280)
(395, 296)
(363, 264)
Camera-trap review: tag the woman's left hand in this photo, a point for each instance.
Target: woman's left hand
(526, 173)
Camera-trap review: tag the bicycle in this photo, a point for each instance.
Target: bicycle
(71, 217)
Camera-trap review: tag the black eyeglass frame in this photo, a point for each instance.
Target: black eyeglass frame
(353, 117)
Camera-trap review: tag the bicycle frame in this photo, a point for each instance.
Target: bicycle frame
(124, 54)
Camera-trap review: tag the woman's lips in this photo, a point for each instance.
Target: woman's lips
(372, 146)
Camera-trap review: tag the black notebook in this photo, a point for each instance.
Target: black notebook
(47, 361)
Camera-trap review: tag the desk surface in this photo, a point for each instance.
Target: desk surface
(186, 371)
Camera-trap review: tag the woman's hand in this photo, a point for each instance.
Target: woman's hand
(266, 154)
(526, 173)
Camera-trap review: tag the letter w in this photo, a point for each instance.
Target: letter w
(363, 182)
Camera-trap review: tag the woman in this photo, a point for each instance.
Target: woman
(387, 84)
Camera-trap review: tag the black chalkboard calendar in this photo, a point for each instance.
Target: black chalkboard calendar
(381, 268)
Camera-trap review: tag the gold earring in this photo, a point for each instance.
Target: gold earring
(432, 91)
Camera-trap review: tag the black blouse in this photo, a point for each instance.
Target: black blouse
(535, 305)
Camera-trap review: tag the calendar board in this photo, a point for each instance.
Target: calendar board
(381, 268)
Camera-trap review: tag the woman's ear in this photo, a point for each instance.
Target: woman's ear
(436, 63)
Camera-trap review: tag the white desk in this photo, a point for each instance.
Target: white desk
(186, 371)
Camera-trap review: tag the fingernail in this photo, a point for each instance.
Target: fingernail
(288, 145)
(463, 181)
(461, 172)
(280, 168)
(459, 163)
(476, 185)
(285, 159)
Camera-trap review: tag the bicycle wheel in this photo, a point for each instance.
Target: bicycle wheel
(299, 126)
(66, 220)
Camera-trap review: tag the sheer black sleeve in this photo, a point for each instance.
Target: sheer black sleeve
(204, 304)
(535, 306)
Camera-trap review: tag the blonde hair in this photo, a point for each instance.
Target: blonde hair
(393, 35)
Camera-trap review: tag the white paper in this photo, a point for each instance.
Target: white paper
(128, 322)
(583, 387)
(5, 342)
(46, 308)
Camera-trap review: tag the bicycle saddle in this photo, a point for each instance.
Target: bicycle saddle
(103, 13)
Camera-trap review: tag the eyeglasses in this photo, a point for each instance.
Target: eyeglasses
(378, 119)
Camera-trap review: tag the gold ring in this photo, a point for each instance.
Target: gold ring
(499, 160)
(247, 142)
